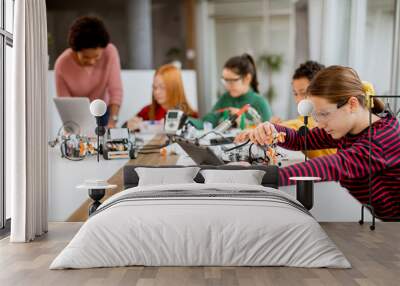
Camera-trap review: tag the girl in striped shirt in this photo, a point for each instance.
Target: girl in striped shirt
(341, 103)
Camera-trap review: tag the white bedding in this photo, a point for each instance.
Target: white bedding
(200, 231)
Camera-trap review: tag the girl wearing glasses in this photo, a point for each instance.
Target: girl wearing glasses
(342, 105)
(168, 93)
(239, 77)
(300, 81)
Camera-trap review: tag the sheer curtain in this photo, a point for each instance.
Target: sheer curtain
(27, 132)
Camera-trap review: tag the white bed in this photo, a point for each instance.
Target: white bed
(267, 229)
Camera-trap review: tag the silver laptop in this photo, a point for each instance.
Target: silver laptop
(75, 115)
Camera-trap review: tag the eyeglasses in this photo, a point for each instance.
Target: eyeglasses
(229, 81)
(323, 116)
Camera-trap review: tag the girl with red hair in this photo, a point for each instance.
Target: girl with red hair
(168, 93)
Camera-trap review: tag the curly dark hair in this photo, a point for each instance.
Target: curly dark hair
(308, 70)
(88, 32)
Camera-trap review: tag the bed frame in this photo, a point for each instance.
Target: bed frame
(270, 179)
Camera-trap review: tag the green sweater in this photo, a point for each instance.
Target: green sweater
(259, 103)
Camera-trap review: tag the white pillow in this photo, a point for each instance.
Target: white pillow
(248, 177)
(166, 176)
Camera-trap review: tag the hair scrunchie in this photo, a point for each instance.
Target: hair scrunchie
(369, 91)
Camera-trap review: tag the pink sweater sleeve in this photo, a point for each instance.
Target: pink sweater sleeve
(61, 86)
(114, 82)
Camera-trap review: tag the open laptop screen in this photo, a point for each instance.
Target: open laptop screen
(201, 155)
(75, 115)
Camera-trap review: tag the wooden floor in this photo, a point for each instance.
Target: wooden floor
(374, 255)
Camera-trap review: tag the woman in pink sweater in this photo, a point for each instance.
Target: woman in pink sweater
(91, 67)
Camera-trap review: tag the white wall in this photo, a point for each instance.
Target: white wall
(332, 203)
(378, 41)
(356, 33)
(329, 31)
(137, 93)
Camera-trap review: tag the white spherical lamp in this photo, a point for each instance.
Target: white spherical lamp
(98, 108)
(305, 107)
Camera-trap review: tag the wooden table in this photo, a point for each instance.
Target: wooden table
(81, 214)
